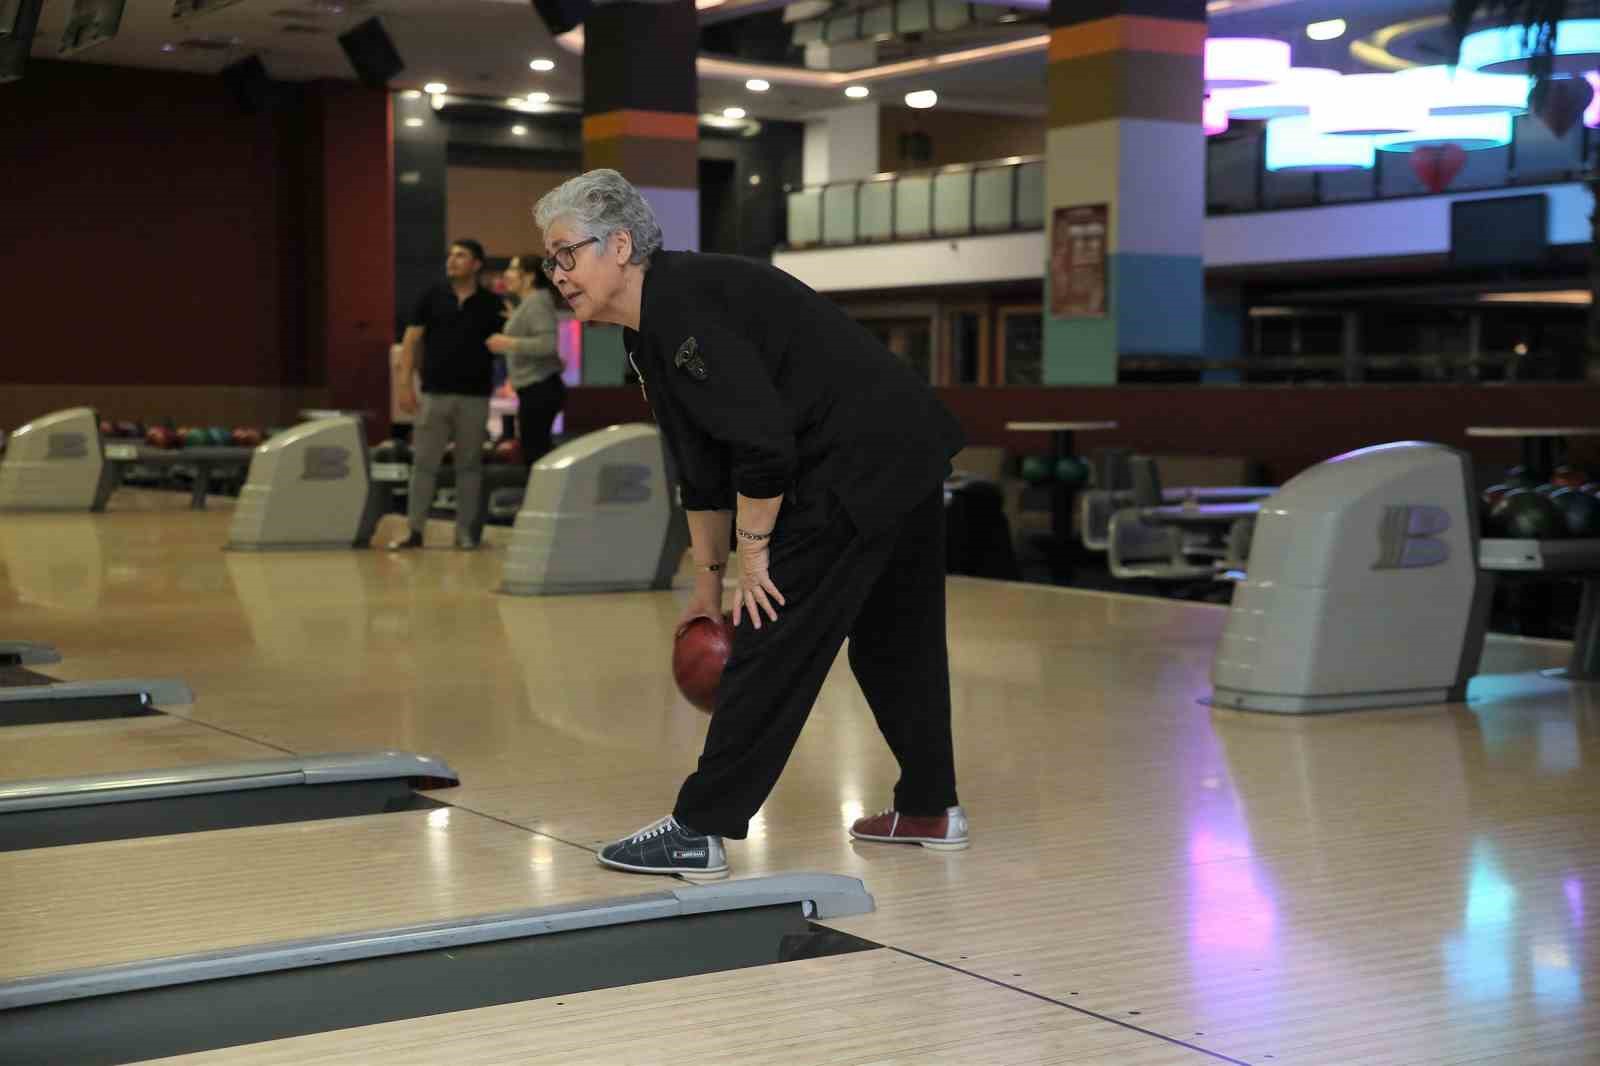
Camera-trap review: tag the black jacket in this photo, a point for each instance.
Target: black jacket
(762, 387)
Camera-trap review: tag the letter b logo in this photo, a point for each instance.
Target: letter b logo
(68, 446)
(326, 464)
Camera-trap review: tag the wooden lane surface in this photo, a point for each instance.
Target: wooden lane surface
(122, 901)
(1410, 886)
(151, 742)
(873, 1008)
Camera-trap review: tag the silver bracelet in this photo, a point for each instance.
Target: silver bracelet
(745, 534)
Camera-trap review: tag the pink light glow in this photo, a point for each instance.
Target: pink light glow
(1214, 117)
(1591, 114)
(1367, 104)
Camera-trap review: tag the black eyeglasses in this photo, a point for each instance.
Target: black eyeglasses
(565, 258)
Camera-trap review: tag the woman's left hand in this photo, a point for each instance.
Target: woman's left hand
(499, 344)
(756, 592)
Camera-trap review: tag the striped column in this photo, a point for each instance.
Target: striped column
(1126, 85)
(640, 107)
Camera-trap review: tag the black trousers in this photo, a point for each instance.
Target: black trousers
(886, 594)
(537, 407)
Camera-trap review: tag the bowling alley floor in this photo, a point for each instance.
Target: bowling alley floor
(1150, 880)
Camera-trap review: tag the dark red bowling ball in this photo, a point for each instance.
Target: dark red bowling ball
(699, 653)
(1567, 477)
(508, 452)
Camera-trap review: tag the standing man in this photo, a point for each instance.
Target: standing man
(452, 323)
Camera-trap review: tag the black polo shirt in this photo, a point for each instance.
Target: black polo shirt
(454, 356)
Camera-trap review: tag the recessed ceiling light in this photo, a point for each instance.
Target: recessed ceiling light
(758, 85)
(434, 88)
(542, 65)
(1008, 17)
(857, 92)
(412, 94)
(413, 122)
(922, 100)
(733, 112)
(538, 98)
(702, 5)
(1329, 30)
(520, 131)
(437, 100)
(169, 47)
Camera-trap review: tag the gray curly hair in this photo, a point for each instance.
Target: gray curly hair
(602, 202)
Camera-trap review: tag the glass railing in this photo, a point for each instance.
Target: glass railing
(1007, 195)
(999, 196)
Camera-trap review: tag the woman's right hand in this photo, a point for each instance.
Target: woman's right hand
(705, 601)
(408, 400)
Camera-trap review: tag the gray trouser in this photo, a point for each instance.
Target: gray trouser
(444, 417)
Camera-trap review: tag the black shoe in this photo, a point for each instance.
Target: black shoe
(666, 847)
(412, 540)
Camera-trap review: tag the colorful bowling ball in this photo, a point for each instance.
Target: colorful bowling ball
(1582, 512)
(1521, 477)
(107, 428)
(161, 437)
(1071, 470)
(1567, 477)
(250, 437)
(699, 654)
(508, 452)
(196, 438)
(1035, 469)
(220, 436)
(1523, 514)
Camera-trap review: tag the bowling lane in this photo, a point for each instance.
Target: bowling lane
(835, 1009)
(122, 901)
(154, 742)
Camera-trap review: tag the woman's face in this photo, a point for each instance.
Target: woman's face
(594, 284)
(518, 276)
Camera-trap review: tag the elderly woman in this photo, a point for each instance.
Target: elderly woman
(797, 435)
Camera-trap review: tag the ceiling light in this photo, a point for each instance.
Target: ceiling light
(1453, 91)
(520, 131)
(413, 122)
(1326, 30)
(1472, 132)
(437, 100)
(705, 5)
(733, 113)
(1282, 99)
(1294, 145)
(1551, 296)
(538, 98)
(1361, 105)
(1507, 49)
(514, 101)
(542, 65)
(434, 88)
(1215, 6)
(1008, 17)
(922, 99)
(412, 94)
(858, 92)
(169, 47)
(758, 85)
(1239, 62)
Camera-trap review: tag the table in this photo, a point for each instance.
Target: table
(1543, 447)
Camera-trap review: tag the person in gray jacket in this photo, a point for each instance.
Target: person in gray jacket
(532, 361)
